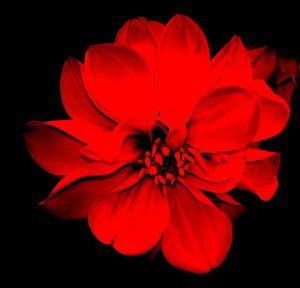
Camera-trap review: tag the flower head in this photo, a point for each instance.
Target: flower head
(158, 137)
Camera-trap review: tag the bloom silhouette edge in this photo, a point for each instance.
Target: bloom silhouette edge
(143, 162)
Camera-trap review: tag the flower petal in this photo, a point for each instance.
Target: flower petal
(286, 77)
(83, 131)
(156, 28)
(226, 198)
(52, 149)
(255, 154)
(263, 61)
(103, 144)
(260, 176)
(120, 143)
(133, 220)
(218, 176)
(75, 98)
(287, 69)
(274, 111)
(229, 206)
(118, 79)
(285, 90)
(142, 36)
(72, 197)
(255, 53)
(218, 167)
(231, 66)
(181, 70)
(224, 120)
(176, 137)
(91, 170)
(198, 236)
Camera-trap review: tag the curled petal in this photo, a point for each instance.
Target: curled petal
(91, 170)
(287, 69)
(133, 220)
(229, 206)
(120, 143)
(274, 111)
(72, 197)
(218, 167)
(285, 90)
(286, 77)
(253, 154)
(82, 131)
(118, 79)
(75, 98)
(217, 177)
(53, 149)
(142, 36)
(260, 176)
(263, 61)
(213, 128)
(255, 53)
(102, 144)
(176, 137)
(198, 235)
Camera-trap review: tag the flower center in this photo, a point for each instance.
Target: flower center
(164, 165)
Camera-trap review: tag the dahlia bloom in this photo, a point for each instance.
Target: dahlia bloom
(159, 136)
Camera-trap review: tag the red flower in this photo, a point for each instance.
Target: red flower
(159, 135)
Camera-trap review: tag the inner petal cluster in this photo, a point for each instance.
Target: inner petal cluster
(164, 165)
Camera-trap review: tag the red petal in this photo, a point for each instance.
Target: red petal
(52, 149)
(74, 194)
(260, 177)
(255, 154)
(287, 69)
(198, 236)
(91, 170)
(226, 198)
(103, 144)
(132, 220)
(229, 206)
(224, 120)
(117, 79)
(217, 177)
(285, 90)
(181, 70)
(156, 28)
(138, 30)
(286, 77)
(199, 195)
(124, 150)
(117, 144)
(83, 131)
(142, 36)
(231, 66)
(218, 167)
(176, 137)
(255, 53)
(75, 98)
(274, 112)
(263, 61)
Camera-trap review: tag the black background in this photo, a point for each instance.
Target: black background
(49, 250)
